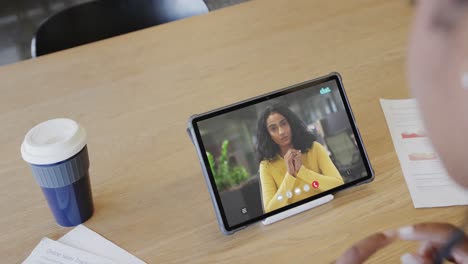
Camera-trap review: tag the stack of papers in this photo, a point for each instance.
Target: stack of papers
(425, 175)
(81, 245)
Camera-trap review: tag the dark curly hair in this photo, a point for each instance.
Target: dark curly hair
(302, 138)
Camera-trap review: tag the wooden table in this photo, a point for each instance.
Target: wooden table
(134, 94)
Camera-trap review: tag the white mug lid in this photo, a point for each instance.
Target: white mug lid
(53, 141)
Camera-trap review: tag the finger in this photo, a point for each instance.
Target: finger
(365, 248)
(298, 164)
(428, 249)
(295, 164)
(436, 233)
(431, 232)
(299, 157)
(291, 167)
(409, 258)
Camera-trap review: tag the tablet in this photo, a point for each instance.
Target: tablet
(279, 150)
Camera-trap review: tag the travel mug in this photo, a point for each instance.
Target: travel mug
(57, 154)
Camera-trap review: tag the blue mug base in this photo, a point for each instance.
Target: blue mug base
(71, 205)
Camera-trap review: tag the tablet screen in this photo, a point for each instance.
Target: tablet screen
(273, 152)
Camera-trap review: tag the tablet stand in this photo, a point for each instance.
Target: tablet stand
(298, 209)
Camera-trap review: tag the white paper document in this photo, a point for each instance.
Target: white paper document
(52, 252)
(425, 175)
(86, 239)
(80, 246)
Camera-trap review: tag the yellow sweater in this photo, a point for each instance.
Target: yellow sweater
(276, 181)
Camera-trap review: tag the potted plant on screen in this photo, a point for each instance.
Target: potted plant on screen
(226, 175)
(237, 187)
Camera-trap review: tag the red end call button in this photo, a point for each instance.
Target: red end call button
(315, 184)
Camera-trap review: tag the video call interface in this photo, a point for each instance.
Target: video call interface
(280, 151)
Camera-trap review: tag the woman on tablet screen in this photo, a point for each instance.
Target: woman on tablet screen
(293, 166)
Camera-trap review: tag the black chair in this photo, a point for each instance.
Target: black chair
(97, 20)
(342, 145)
